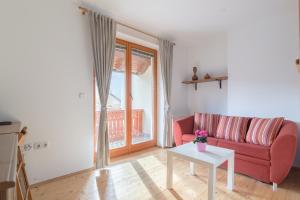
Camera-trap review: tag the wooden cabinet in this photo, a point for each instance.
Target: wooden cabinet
(13, 180)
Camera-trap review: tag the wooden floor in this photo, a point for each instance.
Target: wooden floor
(142, 176)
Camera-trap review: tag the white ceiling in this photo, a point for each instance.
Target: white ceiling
(174, 19)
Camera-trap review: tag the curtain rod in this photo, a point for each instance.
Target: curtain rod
(85, 10)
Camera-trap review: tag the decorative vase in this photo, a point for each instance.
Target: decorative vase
(201, 147)
(195, 77)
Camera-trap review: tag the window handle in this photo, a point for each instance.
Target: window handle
(131, 97)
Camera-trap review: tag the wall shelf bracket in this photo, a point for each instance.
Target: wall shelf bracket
(220, 84)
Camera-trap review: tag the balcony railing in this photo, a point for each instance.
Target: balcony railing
(116, 125)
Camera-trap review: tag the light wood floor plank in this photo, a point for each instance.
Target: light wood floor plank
(142, 175)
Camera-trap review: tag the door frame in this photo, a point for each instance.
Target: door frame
(129, 147)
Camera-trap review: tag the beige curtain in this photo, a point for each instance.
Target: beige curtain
(103, 34)
(166, 60)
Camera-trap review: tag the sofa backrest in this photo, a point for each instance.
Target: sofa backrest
(285, 122)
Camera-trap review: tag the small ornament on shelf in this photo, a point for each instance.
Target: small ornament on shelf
(207, 76)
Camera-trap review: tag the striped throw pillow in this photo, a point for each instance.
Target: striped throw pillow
(208, 122)
(264, 131)
(232, 128)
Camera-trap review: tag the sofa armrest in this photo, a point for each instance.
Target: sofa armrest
(283, 151)
(182, 126)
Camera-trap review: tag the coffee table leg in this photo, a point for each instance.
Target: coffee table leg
(230, 173)
(192, 169)
(169, 170)
(211, 183)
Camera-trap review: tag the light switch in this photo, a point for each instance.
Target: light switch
(81, 95)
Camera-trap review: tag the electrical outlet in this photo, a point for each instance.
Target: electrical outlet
(40, 145)
(27, 147)
(44, 144)
(37, 145)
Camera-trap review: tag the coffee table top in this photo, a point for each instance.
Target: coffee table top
(212, 156)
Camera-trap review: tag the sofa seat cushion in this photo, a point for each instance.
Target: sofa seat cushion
(207, 122)
(263, 131)
(232, 128)
(252, 150)
(190, 137)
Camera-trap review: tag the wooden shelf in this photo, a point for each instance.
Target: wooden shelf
(219, 79)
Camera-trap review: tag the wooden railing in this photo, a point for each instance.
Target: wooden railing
(116, 123)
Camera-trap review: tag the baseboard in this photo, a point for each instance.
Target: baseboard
(61, 177)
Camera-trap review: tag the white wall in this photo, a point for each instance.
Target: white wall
(263, 80)
(179, 92)
(45, 62)
(209, 53)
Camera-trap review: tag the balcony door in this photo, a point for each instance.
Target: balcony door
(132, 101)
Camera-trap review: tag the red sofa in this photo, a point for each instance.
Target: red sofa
(267, 164)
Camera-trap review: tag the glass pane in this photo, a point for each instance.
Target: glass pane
(116, 102)
(142, 96)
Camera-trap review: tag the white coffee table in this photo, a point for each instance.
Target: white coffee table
(212, 158)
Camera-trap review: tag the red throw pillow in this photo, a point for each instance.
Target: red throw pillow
(232, 128)
(263, 131)
(207, 122)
